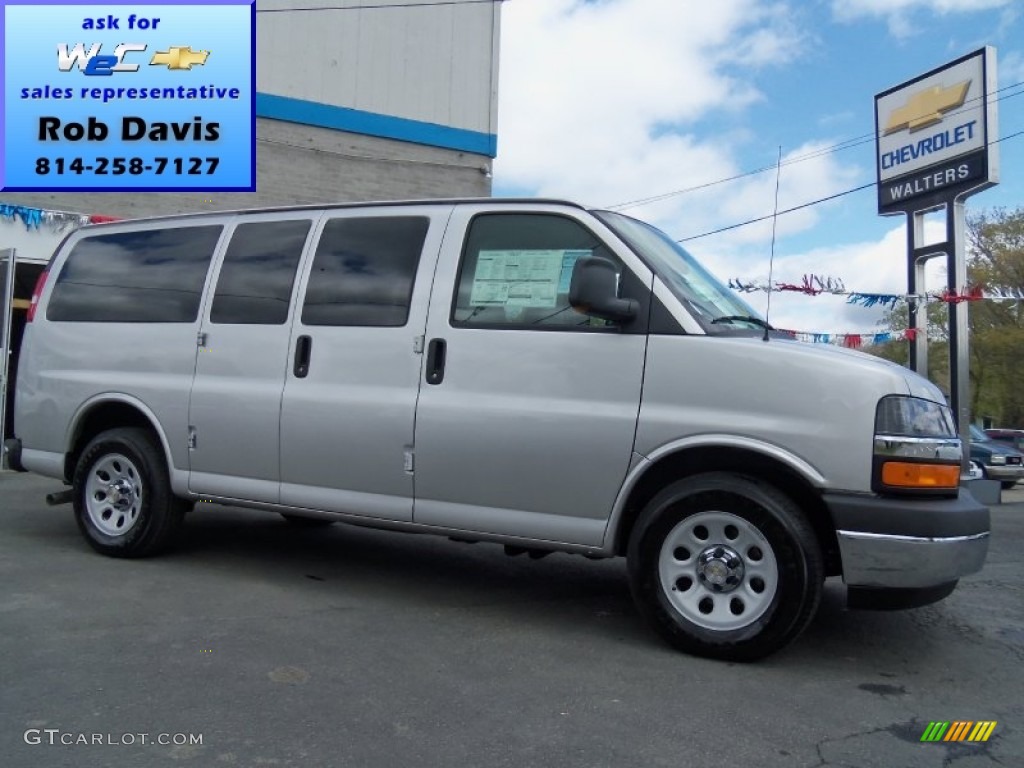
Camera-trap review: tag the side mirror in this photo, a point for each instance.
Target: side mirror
(594, 291)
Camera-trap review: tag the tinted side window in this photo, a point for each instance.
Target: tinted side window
(255, 282)
(149, 276)
(516, 270)
(364, 270)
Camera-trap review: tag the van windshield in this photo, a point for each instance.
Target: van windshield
(715, 306)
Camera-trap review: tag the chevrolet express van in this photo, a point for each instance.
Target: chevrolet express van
(529, 373)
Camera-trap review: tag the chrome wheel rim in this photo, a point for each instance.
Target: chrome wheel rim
(113, 495)
(718, 570)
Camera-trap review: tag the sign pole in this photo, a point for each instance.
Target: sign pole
(959, 330)
(917, 317)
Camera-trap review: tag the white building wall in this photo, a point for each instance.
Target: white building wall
(36, 245)
(433, 64)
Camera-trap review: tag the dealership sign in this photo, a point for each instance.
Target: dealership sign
(936, 134)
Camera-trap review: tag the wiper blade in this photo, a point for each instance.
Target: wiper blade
(743, 319)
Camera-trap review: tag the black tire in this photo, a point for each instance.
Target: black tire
(139, 517)
(776, 550)
(1008, 484)
(307, 522)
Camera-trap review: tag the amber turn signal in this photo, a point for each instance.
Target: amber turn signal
(903, 474)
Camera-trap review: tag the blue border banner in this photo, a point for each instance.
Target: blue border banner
(374, 124)
(116, 96)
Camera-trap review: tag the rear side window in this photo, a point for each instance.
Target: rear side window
(255, 282)
(148, 276)
(364, 270)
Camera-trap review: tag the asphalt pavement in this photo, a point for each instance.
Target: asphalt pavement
(257, 643)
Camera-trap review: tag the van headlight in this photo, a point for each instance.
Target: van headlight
(917, 449)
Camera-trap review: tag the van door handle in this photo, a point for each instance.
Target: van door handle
(435, 360)
(303, 348)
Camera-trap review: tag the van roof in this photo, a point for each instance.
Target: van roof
(339, 206)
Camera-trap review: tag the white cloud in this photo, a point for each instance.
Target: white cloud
(599, 103)
(810, 172)
(873, 266)
(899, 13)
(1011, 68)
(593, 95)
(855, 8)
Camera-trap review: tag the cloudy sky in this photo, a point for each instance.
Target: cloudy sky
(614, 102)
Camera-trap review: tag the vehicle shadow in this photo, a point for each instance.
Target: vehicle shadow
(224, 549)
(563, 591)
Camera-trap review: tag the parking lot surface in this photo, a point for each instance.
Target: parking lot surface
(282, 646)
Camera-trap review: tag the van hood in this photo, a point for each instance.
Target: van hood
(916, 385)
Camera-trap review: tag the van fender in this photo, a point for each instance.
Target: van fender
(642, 463)
(178, 477)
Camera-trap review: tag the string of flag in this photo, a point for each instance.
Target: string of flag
(816, 285)
(851, 340)
(55, 221)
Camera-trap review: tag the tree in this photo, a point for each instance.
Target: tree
(938, 341)
(995, 261)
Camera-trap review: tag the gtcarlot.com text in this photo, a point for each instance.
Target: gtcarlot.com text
(55, 737)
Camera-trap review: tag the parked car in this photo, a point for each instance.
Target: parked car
(524, 372)
(999, 461)
(1014, 437)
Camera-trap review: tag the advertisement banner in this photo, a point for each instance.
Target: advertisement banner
(148, 97)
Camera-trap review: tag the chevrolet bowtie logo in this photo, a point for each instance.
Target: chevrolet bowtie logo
(926, 107)
(180, 57)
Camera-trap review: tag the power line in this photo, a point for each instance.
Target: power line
(376, 6)
(856, 141)
(780, 213)
(809, 204)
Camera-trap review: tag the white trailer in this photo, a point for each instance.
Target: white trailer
(25, 250)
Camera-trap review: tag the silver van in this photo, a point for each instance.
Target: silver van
(525, 372)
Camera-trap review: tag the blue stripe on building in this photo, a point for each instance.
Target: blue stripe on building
(373, 124)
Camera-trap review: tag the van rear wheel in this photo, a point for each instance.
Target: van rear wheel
(725, 566)
(122, 496)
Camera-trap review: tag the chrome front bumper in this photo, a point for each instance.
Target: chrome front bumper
(1005, 471)
(885, 560)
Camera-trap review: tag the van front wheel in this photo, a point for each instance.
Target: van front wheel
(122, 496)
(725, 566)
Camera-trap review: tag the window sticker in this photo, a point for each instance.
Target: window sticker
(517, 278)
(569, 259)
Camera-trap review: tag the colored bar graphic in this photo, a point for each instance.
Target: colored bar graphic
(982, 730)
(959, 730)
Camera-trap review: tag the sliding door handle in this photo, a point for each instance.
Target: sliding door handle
(303, 349)
(436, 353)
